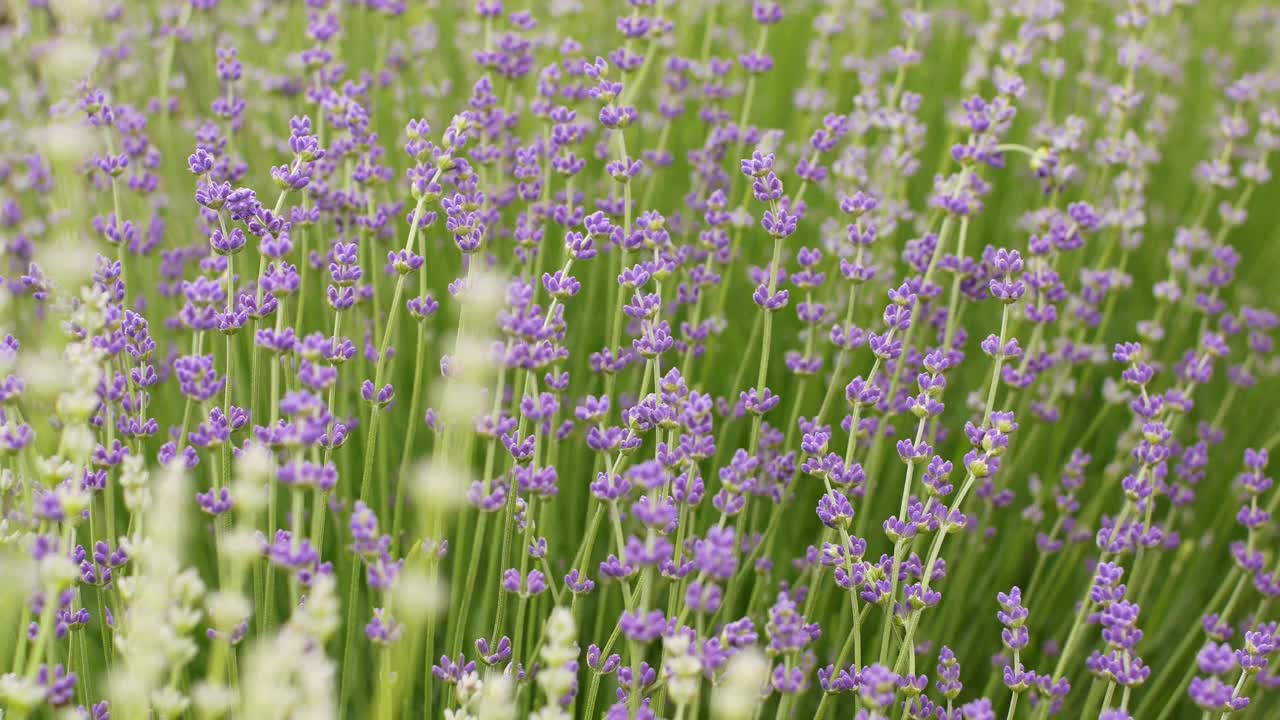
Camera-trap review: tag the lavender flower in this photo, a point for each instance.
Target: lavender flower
(558, 361)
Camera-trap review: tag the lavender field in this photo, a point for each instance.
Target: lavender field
(681, 359)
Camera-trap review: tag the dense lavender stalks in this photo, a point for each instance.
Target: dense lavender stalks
(639, 359)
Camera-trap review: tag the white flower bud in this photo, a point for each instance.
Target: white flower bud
(180, 650)
(555, 678)
(90, 314)
(227, 610)
(85, 362)
(58, 572)
(188, 588)
(440, 486)
(62, 141)
(737, 696)
(495, 702)
(318, 616)
(239, 546)
(316, 689)
(72, 12)
(418, 596)
(19, 694)
(473, 360)
(166, 522)
(137, 499)
(460, 402)
(483, 296)
(550, 712)
(255, 465)
(53, 470)
(468, 688)
(212, 701)
(133, 472)
(78, 440)
(68, 258)
(267, 688)
(71, 60)
(74, 502)
(684, 670)
(128, 688)
(168, 703)
(184, 620)
(250, 497)
(127, 586)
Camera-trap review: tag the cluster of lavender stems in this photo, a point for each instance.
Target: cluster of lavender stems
(884, 359)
